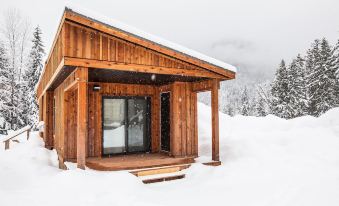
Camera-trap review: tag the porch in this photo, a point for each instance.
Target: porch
(135, 161)
(105, 91)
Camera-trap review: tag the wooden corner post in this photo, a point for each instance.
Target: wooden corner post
(82, 115)
(175, 136)
(215, 120)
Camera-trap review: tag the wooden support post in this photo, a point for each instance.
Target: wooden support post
(215, 120)
(48, 119)
(82, 115)
(175, 136)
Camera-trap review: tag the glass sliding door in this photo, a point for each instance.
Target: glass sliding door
(137, 125)
(114, 126)
(125, 125)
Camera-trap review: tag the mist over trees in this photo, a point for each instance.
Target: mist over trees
(21, 53)
(308, 85)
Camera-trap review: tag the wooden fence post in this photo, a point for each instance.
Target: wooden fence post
(6, 144)
(28, 131)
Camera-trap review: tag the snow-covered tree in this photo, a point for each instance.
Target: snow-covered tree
(15, 29)
(321, 78)
(298, 87)
(5, 102)
(260, 107)
(280, 92)
(245, 106)
(32, 75)
(335, 69)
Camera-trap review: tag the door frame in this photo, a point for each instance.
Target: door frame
(147, 128)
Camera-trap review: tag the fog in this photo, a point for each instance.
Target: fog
(253, 35)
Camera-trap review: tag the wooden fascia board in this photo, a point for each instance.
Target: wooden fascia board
(53, 44)
(203, 86)
(100, 64)
(75, 17)
(56, 72)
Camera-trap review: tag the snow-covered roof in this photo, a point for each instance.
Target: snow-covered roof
(144, 35)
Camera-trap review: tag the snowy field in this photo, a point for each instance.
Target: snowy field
(266, 161)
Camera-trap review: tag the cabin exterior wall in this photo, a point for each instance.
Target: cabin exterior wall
(183, 137)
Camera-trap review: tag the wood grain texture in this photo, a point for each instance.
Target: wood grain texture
(145, 43)
(113, 49)
(48, 119)
(215, 120)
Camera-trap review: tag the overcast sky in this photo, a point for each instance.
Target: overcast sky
(253, 34)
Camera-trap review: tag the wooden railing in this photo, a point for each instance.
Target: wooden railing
(15, 134)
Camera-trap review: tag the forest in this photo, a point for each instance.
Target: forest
(21, 64)
(308, 85)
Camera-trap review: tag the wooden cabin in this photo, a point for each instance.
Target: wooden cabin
(114, 95)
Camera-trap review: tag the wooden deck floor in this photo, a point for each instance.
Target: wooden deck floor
(135, 161)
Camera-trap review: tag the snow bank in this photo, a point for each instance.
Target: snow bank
(147, 36)
(266, 161)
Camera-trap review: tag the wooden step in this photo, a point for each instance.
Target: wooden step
(160, 170)
(212, 163)
(164, 178)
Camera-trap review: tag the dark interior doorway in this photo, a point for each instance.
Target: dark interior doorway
(165, 121)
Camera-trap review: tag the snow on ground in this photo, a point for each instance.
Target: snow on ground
(266, 161)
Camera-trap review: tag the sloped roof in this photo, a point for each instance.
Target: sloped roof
(144, 35)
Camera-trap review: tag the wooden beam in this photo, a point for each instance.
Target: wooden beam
(215, 120)
(57, 71)
(91, 63)
(52, 47)
(147, 43)
(203, 86)
(82, 116)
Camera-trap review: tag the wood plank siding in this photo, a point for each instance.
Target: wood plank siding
(87, 54)
(75, 40)
(183, 99)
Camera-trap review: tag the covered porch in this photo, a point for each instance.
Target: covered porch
(135, 161)
(91, 62)
(85, 118)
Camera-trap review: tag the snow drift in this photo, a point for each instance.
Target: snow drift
(266, 161)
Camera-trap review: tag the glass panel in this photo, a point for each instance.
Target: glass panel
(114, 126)
(137, 124)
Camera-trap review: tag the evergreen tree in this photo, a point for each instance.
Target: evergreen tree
(321, 78)
(312, 66)
(260, 107)
(298, 87)
(245, 104)
(280, 92)
(32, 75)
(335, 69)
(5, 101)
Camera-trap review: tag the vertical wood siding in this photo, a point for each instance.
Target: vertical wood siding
(87, 43)
(183, 110)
